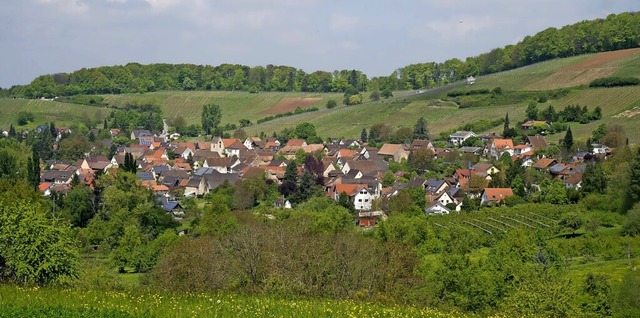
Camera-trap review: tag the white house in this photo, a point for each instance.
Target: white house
(359, 194)
(444, 198)
(362, 200)
(471, 80)
(460, 136)
(436, 208)
(500, 146)
(600, 149)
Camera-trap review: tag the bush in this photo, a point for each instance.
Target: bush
(297, 111)
(25, 117)
(631, 225)
(331, 104)
(614, 81)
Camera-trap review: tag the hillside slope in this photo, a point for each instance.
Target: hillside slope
(619, 105)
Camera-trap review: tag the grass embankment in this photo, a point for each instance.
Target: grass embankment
(48, 302)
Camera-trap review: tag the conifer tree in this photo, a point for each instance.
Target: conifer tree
(363, 135)
(33, 169)
(289, 184)
(420, 130)
(632, 196)
(568, 140)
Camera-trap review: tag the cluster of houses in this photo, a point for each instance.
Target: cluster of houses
(172, 169)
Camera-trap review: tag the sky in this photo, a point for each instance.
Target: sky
(375, 36)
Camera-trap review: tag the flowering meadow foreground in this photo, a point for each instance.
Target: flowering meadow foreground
(48, 302)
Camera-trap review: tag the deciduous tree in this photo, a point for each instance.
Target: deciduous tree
(211, 117)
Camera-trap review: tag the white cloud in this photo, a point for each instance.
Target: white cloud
(339, 22)
(67, 6)
(162, 4)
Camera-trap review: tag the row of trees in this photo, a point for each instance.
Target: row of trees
(570, 113)
(138, 78)
(616, 32)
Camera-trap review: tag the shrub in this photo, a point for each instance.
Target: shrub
(331, 104)
(614, 81)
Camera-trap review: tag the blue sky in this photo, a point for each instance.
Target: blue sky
(49, 36)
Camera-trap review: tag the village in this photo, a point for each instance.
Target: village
(173, 170)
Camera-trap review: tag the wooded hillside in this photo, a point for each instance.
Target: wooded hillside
(615, 32)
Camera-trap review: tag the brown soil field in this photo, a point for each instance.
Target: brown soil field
(585, 71)
(290, 104)
(600, 60)
(572, 78)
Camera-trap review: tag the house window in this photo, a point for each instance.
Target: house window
(359, 200)
(366, 200)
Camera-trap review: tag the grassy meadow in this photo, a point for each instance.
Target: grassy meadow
(48, 302)
(44, 111)
(235, 105)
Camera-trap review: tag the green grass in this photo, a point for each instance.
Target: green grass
(48, 302)
(63, 114)
(235, 105)
(614, 269)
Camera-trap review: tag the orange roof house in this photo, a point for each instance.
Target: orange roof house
(397, 151)
(500, 146)
(492, 196)
(544, 163)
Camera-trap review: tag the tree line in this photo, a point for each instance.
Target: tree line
(615, 32)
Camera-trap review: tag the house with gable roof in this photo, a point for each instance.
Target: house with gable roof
(359, 195)
(436, 208)
(494, 196)
(396, 152)
(136, 134)
(460, 136)
(537, 142)
(501, 146)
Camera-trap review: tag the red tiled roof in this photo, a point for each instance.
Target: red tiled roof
(295, 142)
(349, 189)
(544, 163)
(497, 194)
(503, 143)
(44, 186)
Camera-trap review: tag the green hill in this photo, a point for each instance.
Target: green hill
(442, 114)
(519, 86)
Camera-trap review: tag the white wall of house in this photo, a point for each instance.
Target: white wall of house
(232, 152)
(362, 200)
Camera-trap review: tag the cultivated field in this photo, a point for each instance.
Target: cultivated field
(289, 104)
(46, 111)
(234, 105)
